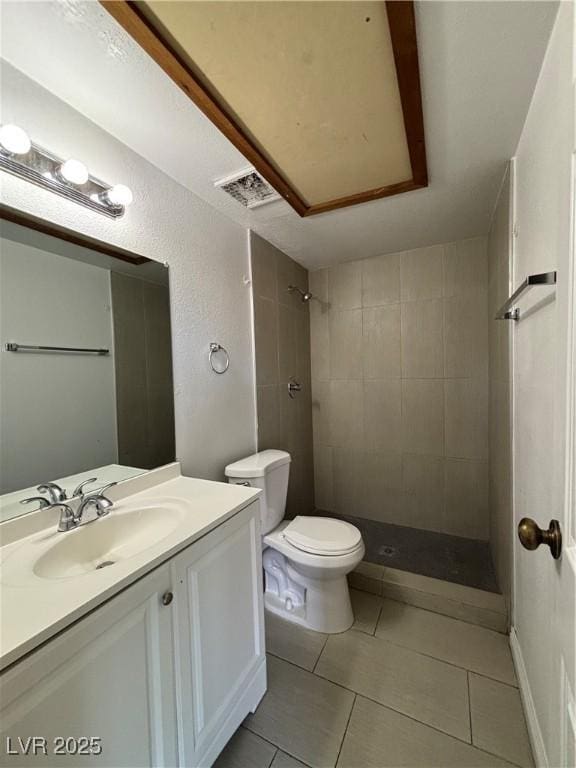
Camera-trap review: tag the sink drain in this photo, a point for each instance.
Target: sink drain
(104, 564)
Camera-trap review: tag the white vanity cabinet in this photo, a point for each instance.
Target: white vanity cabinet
(111, 676)
(160, 675)
(221, 655)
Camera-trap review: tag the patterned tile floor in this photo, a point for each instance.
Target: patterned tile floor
(404, 688)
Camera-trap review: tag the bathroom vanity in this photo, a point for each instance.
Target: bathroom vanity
(137, 639)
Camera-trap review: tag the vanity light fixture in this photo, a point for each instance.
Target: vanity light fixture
(74, 171)
(68, 178)
(119, 194)
(14, 140)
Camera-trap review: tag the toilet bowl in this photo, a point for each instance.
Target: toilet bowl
(305, 560)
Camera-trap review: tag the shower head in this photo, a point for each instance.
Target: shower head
(306, 295)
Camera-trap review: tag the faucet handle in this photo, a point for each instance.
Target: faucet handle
(54, 491)
(99, 500)
(103, 490)
(68, 518)
(43, 502)
(105, 502)
(79, 490)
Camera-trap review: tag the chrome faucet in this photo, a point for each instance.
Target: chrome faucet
(55, 493)
(68, 518)
(40, 500)
(98, 502)
(101, 503)
(56, 497)
(79, 490)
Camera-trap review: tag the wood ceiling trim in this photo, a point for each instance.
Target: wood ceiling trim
(402, 25)
(69, 235)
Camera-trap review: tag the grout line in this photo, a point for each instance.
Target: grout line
(278, 749)
(452, 600)
(346, 729)
(320, 654)
(273, 757)
(378, 703)
(442, 661)
(396, 644)
(374, 701)
(450, 618)
(443, 733)
(410, 717)
(493, 679)
(378, 617)
(498, 757)
(469, 706)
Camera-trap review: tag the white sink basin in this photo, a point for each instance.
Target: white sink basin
(107, 541)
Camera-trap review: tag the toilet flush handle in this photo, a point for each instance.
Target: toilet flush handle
(244, 483)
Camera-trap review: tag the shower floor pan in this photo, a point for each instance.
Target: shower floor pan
(437, 555)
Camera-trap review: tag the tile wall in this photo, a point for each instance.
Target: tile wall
(282, 341)
(143, 366)
(399, 350)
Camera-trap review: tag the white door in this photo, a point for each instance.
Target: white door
(221, 657)
(102, 693)
(544, 397)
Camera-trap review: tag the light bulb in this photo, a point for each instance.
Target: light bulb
(14, 140)
(74, 171)
(119, 194)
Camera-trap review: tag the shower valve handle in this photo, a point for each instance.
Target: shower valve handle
(293, 387)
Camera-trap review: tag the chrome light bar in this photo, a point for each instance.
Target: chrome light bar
(48, 171)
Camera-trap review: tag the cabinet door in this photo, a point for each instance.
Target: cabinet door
(222, 670)
(111, 676)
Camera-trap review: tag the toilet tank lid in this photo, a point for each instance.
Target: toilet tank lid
(258, 464)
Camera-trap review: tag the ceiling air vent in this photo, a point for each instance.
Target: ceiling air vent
(248, 188)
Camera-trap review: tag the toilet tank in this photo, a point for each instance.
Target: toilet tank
(268, 470)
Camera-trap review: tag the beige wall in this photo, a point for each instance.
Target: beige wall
(500, 483)
(282, 341)
(400, 388)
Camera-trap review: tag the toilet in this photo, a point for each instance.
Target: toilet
(306, 560)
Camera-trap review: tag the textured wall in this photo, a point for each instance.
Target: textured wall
(208, 257)
(500, 495)
(282, 342)
(400, 388)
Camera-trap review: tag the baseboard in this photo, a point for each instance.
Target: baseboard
(474, 606)
(536, 739)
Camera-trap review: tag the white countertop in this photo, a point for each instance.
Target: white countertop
(34, 608)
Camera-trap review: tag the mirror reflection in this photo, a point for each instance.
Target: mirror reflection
(95, 404)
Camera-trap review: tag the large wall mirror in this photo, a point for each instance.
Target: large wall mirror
(97, 401)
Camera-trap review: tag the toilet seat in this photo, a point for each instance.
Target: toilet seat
(322, 535)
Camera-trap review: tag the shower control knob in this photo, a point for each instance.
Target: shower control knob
(531, 536)
(294, 386)
(167, 598)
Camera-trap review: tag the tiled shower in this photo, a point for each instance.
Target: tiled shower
(393, 415)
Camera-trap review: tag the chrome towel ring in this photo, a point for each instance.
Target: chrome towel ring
(214, 349)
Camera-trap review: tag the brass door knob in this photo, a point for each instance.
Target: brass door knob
(531, 536)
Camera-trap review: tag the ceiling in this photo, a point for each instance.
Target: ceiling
(318, 127)
(479, 62)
